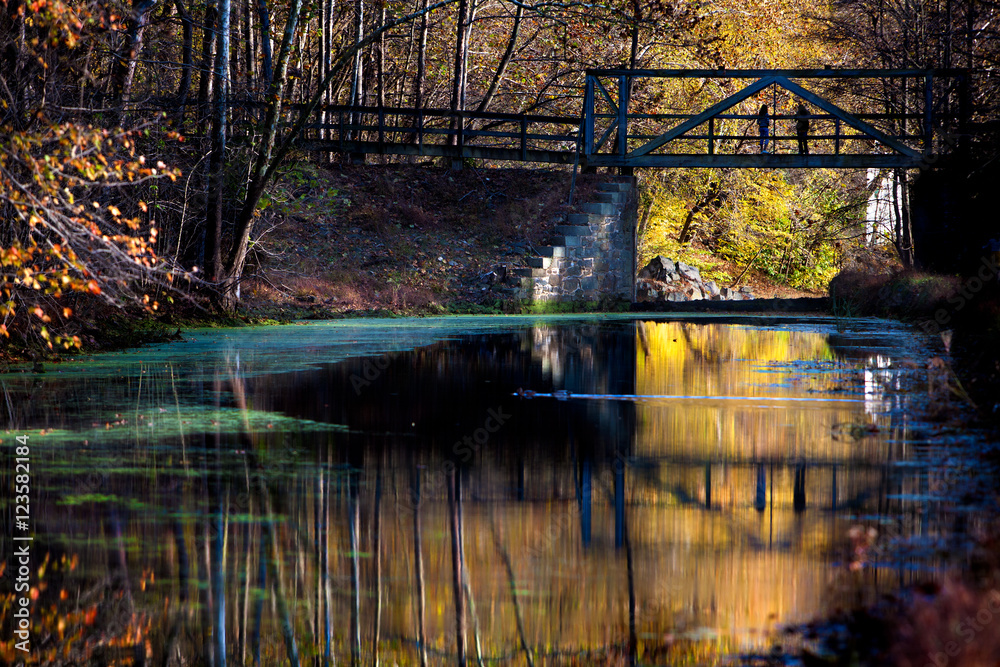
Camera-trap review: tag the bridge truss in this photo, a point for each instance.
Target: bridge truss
(843, 132)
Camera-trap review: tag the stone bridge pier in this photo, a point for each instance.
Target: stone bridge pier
(593, 255)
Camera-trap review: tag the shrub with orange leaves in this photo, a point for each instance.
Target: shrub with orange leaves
(63, 187)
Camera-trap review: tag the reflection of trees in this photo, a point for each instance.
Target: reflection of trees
(287, 514)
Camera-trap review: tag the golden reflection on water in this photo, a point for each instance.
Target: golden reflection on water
(724, 547)
(728, 479)
(717, 518)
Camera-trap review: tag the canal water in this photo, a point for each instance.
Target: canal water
(679, 488)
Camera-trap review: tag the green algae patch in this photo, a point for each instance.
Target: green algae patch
(219, 353)
(175, 425)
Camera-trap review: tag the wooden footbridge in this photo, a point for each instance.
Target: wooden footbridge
(841, 133)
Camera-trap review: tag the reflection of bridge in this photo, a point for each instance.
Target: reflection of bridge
(610, 133)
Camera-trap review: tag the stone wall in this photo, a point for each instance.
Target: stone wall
(592, 258)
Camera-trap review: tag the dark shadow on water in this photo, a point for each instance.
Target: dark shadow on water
(405, 496)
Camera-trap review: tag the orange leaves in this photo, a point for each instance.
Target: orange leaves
(61, 184)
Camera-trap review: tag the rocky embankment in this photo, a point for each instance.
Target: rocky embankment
(664, 280)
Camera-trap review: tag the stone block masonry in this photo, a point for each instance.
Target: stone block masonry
(592, 256)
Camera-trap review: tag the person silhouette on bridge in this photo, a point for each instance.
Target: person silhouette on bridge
(763, 124)
(802, 129)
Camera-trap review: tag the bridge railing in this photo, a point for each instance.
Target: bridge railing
(442, 132)
(839, 114)
(837, 134)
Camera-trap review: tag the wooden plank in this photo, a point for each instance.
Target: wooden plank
(604, 137)
(698, 119)
(588, 116)
(524, 140)
(606, 96)
(622, 115)
(848, 118)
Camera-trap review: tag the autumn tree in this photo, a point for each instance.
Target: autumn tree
(70, 225)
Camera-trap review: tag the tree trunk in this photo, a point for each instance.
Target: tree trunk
(125, 65)
(216, 203)
(235, 21)
(907, 224)
(380, 59)
(206, 68)
(504, 61)
(418, 84)
(184, 87)
(357, 75)
(325, 51)
(634, 47)
(241, 234)
(250, 51)
(457, 87)
(469, 21)
(265, 33)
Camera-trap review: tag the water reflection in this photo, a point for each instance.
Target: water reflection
(684, 487)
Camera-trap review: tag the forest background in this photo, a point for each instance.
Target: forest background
(148, 147)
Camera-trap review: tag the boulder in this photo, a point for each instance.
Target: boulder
(657, 268)
(693, 293)
(711, 289)
(689, 272)
(669, 265)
